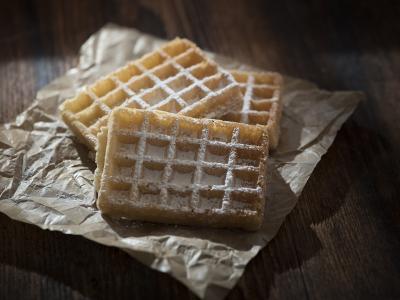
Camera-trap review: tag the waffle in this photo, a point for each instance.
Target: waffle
(162, 167)
(261, 104)
(176, 78)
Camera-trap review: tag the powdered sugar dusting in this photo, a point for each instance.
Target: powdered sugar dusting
(217, 184)
(160, 80)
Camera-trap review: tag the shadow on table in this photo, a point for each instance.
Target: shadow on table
(296, 241)
(50, 264)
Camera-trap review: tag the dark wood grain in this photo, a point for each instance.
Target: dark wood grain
(341, 241)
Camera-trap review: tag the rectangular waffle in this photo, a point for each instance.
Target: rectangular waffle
(177, 78)
(262, 102)
(162, 167)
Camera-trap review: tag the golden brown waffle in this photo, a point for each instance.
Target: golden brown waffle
(167, 168)
(176, 78)
(262, 102)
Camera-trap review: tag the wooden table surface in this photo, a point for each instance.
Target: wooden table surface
(341, 241)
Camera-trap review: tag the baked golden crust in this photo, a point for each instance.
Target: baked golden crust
(177, 78)
(262, 102)
(162, 167)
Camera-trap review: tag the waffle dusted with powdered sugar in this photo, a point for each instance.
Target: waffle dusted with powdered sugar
(262, 102)
(162, 167)
(177, 78)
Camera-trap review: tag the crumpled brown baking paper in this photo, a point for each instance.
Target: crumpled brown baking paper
(46, 177)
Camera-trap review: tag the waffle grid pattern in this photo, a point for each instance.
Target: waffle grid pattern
(176, 78)
(198, 168)
(261, 101)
